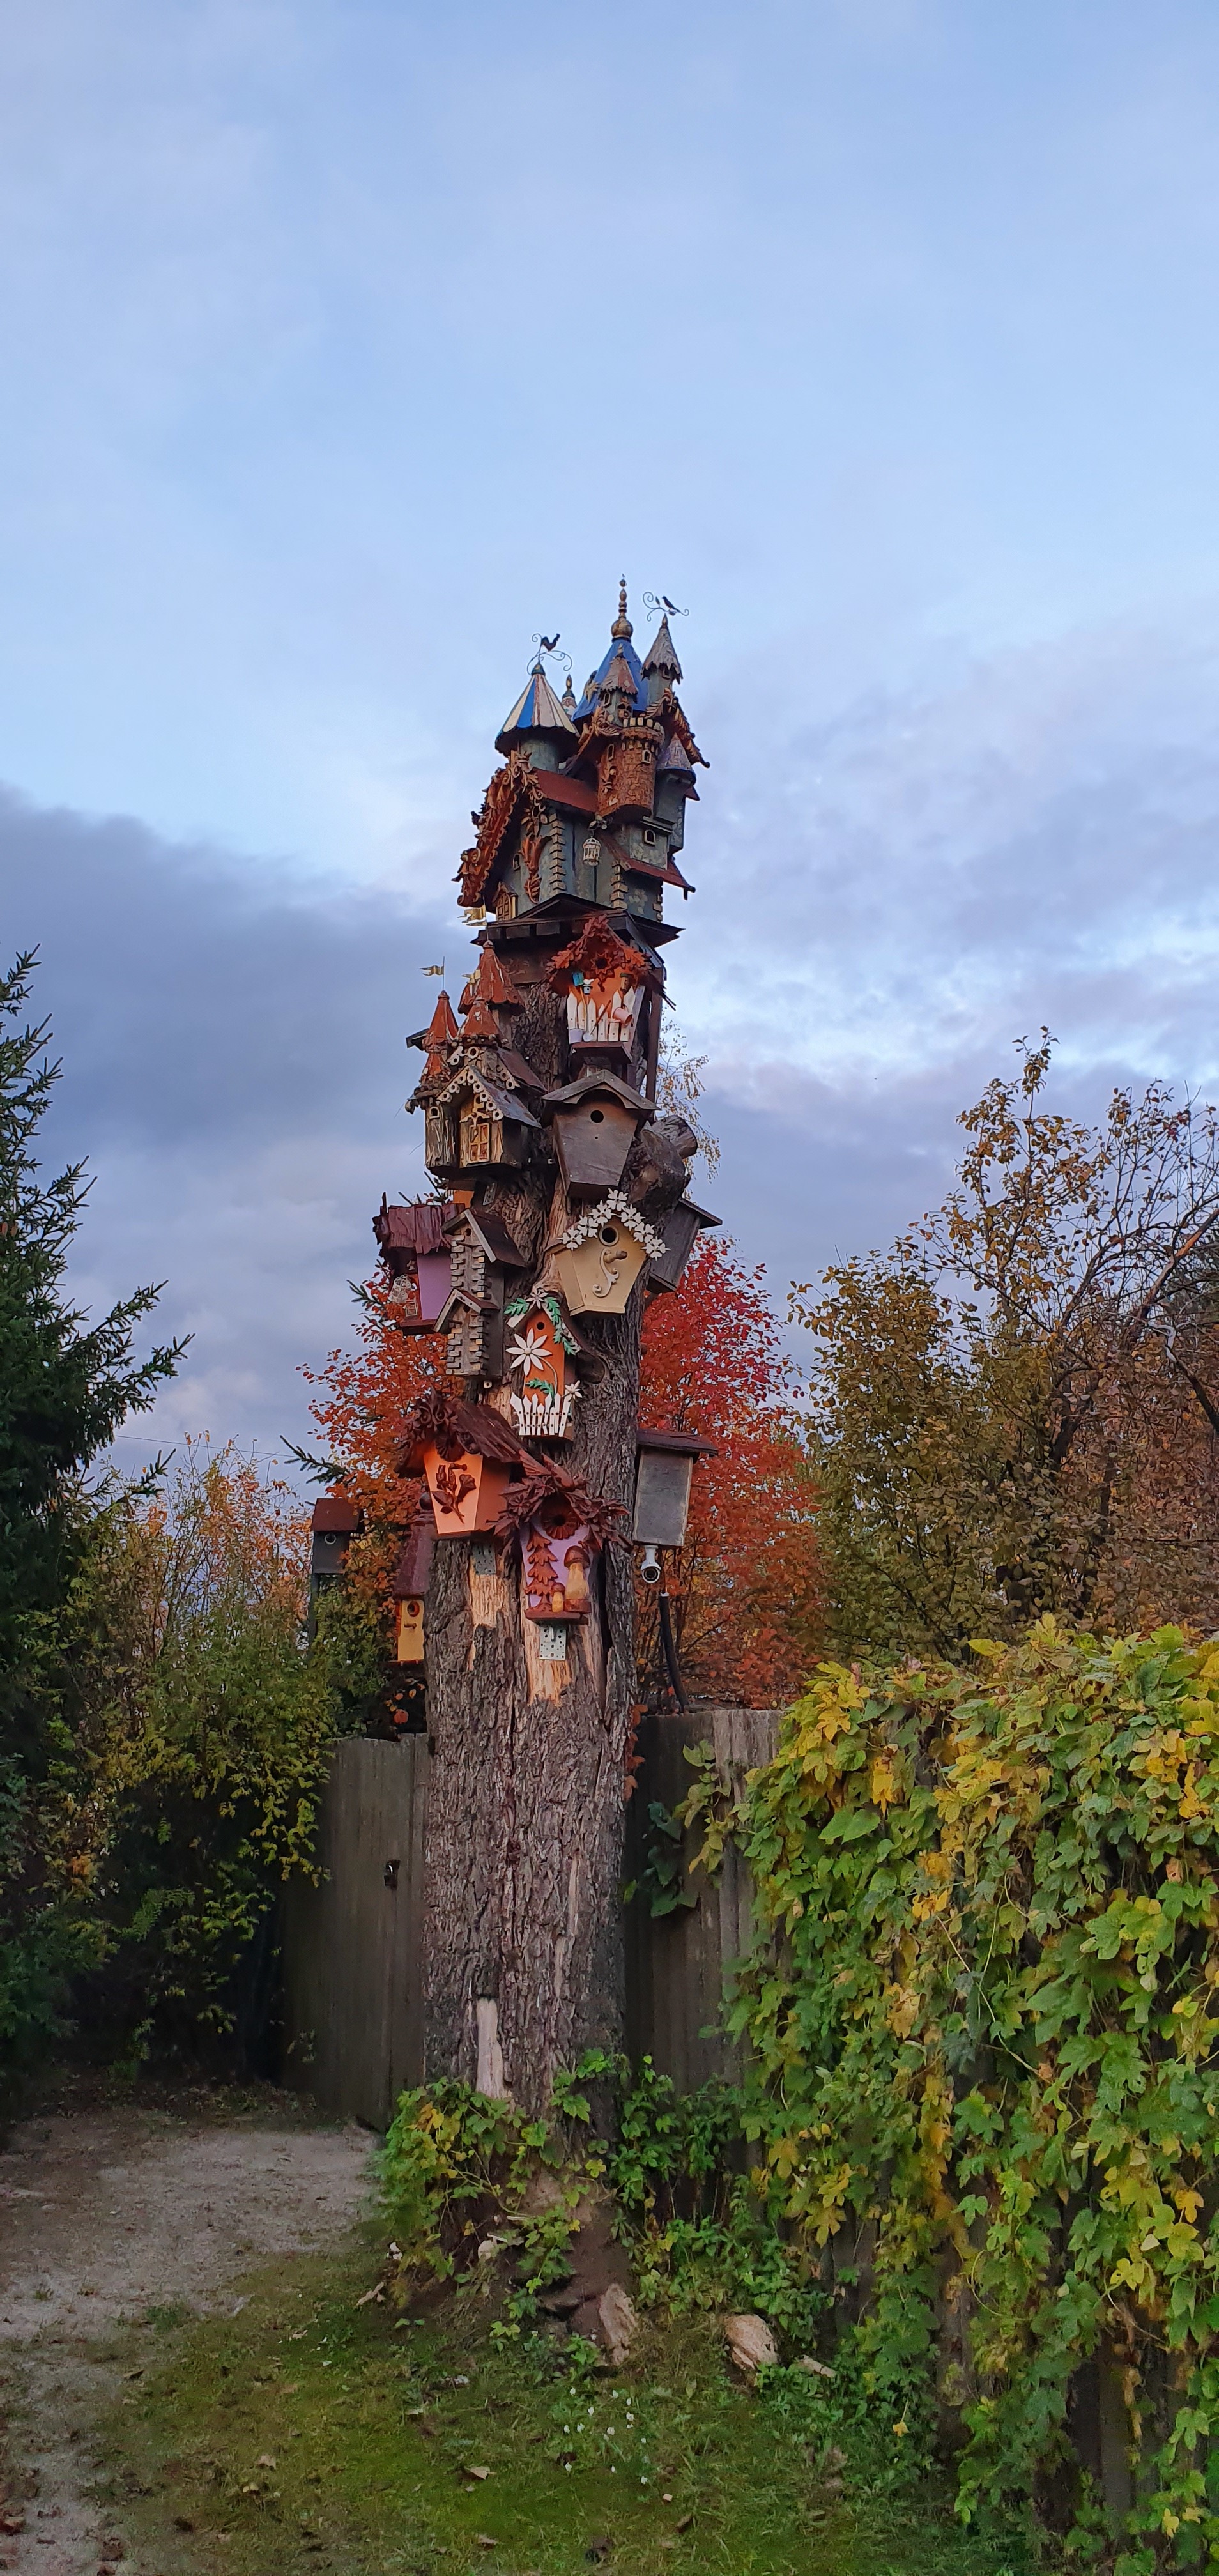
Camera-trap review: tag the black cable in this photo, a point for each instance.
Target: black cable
(670, 1652)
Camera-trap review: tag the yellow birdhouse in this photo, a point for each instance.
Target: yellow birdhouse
(602, 1254)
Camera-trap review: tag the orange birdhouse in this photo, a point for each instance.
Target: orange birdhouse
(468, 1455)
(543, 1391)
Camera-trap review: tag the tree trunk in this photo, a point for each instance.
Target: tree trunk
(523, 1941)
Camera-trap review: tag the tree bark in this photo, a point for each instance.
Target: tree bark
(523, 1942)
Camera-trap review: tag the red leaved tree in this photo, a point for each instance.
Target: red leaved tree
(745, 1593)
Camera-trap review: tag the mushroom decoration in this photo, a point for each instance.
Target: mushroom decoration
(468, 1455)
(561, 1527)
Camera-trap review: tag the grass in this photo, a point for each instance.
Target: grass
(305, 2431)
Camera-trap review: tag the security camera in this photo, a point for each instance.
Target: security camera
(649, 1565)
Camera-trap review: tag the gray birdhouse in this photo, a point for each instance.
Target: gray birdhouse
(662, 1485)
(681, 1229)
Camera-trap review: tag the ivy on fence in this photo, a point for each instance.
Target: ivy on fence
(983, 2011)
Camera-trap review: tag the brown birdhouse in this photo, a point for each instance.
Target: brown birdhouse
(468, 1455)
(483, 1256)
(475, 1128)
(594, 1122)
(540, 1346)
(681, 1229)
(333, 1525)
(601, 1255)
(415, 1251)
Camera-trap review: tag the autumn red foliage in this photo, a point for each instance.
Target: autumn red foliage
(744, 1596)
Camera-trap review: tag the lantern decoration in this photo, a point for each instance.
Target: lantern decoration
(561, 1527)
(468, 1455)
(601, 1255)
(605, 980)
(415, 1251)
(681, 1229)
(482, 1252)
(410, 1583)
(540, 1343)
(594, 1122)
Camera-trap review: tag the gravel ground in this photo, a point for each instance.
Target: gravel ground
(105, 2214)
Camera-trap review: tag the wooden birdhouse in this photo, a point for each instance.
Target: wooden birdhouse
(664, 1469)
(468, 1455)
(601, 1255)
(333, 1526)
(415, 1251)
(410, 1583)
(475, 1128)
(594, 1122)
(680, 1229)
(605, 981)
(561, 1527)
(539, 1349)
(483, 1258)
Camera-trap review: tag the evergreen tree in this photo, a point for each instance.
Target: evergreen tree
(65, 1387)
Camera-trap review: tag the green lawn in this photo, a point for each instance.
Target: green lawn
(308, 2432)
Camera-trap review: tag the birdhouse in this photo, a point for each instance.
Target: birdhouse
(663, 1474)
(601, 1255)
(681, 1229)
(468, 1455)
(474, 1128)
(540, 1345)
(334, 1524)
(561, 1527)
(415, 1251)
(605, 980)
(410, 1583)
(594, 1122)
(482, 1255)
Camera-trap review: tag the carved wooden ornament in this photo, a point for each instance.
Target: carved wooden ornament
(468, 1455)
(601, 1255)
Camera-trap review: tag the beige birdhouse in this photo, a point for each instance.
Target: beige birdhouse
(601, 1255)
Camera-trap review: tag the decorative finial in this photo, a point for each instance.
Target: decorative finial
(568, 700)
(622, 624)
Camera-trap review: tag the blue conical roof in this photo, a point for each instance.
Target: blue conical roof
(537, 710)
(620, 642)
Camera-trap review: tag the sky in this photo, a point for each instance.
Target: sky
(349, 344)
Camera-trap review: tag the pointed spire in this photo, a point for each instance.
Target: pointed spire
(622, 624)
(619, 680)
(442, 1027)
(537, 710)
(661, 659)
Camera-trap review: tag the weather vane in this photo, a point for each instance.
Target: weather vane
(657, 605)
(547, 644)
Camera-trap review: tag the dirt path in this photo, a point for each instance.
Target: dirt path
(103, 2215)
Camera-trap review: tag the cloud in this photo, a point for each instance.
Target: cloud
(892, 886)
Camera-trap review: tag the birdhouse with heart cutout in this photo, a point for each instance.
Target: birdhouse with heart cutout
(594, 1122)
(540, 1348)
(468, 1455)
(601, 1255)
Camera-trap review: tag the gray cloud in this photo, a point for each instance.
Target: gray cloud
(891, 889)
